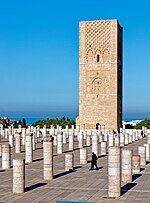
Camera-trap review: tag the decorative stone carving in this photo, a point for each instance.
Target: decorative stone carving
(96, 85)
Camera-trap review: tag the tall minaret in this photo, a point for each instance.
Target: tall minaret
(100, 83)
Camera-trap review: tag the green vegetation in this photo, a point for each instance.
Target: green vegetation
(4, 122)
(145, 122)
(7, 122)
(22, 123)
(48, 122)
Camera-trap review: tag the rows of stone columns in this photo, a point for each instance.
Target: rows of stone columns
(97, 139)
(122, 164)
(101, 143)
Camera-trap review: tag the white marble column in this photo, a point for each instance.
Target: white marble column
(136, 136)
(106, 136)
(0, 150)
(18, 176)
(9, 130)
(23, 136)
(136, 164)
(126, 139)
(44, 131)
(103, 148)
(35, 135)
(38, 131)
(126, 166)
(101, 137)
(95, 147)
(12, 129)
(71, 141)
(64, 138)
(6, 134)
(114, 176)
(18, 143)
(69, 161)
(83, 156)
(148, 138)
(60, 129)
(122, 140)
(1, 129)
(142, 153)
(55, 140)
(59, 143)
(117, 141)
(11, 140)
(78, 128)
(88, 140)
(111, 141)
(80, 137)
(5, 156)
(33, 142)
(130, 138)
(133, 136)
(147, 146)
(48, 158)
(28, 129)
(28, 147)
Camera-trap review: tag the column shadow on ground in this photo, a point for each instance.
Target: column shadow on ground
(63, 173)
(102, 156)
(40, 159)
(66, 151)
(33, 187)
(76, 167)
(2, 170)
(127, 187)
(135, 176)
(39, 148)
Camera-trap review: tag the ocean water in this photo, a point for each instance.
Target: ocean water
(132, 119)
(29, 121)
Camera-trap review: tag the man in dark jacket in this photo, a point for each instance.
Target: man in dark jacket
(94, 162)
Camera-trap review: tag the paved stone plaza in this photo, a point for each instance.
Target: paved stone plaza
(79, 185)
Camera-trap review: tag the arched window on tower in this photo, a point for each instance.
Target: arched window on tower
(97, 126)
(98, 58)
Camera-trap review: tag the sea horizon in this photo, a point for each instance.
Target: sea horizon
(30, 120)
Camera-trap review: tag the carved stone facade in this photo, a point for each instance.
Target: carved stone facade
(100, 83)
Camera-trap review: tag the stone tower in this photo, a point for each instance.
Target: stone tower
(100, 83)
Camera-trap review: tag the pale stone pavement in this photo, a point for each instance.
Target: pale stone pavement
(80, 185)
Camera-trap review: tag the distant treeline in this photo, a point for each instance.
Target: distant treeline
(145, 123)
(54, 121)
(7, 122)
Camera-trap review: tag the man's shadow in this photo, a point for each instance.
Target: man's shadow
(96, 169)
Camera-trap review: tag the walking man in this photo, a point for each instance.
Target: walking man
(94, 162)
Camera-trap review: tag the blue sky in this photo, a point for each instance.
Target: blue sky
(39, 55)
